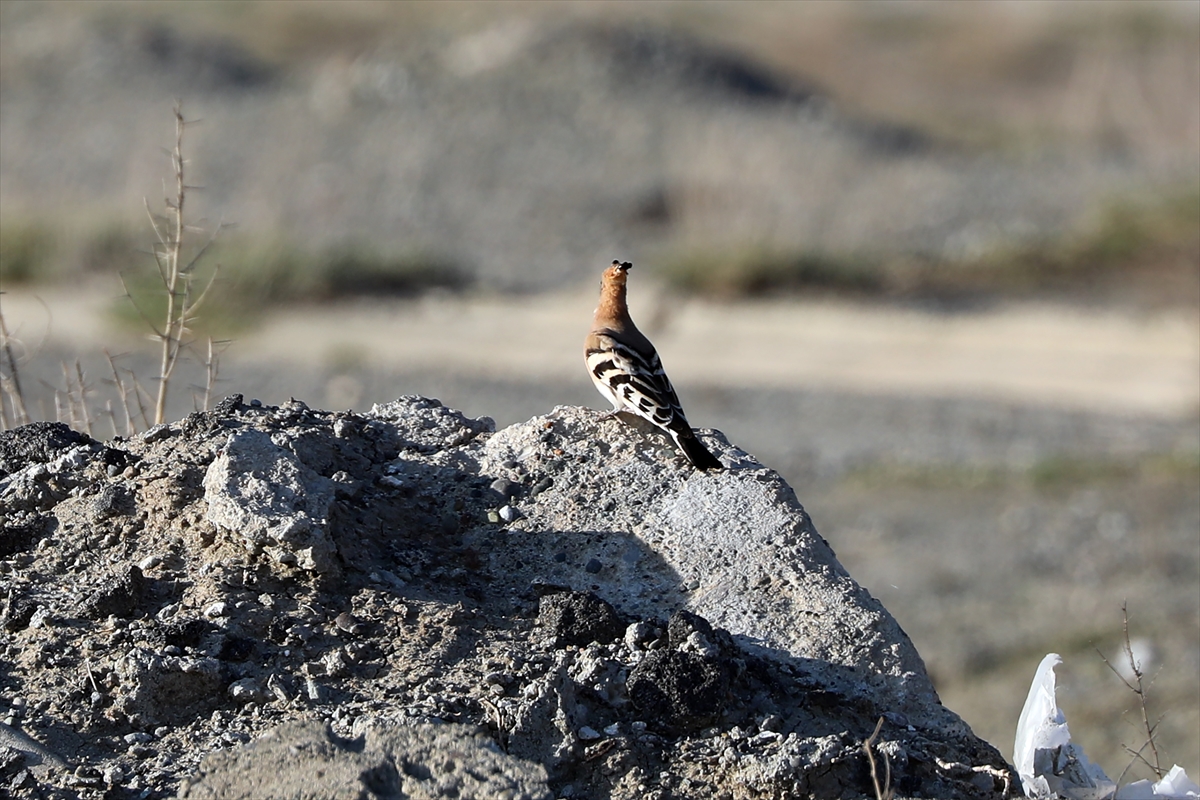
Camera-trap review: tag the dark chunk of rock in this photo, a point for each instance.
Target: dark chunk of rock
(16, 536)
(17, 613)
(683, 624)
(118, 597)
(185, 633)
(506, 488)
(37, 443)
(229, 406)
(579, 618)
(112, 501)
(679, 691)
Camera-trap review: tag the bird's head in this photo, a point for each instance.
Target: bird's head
(617, 272)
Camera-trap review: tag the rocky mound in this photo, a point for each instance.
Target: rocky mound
(409, 604)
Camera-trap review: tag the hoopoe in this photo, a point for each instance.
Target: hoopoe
(627, 371)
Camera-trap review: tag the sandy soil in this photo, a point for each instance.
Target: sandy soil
(1104, 361)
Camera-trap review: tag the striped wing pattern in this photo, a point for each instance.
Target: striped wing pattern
(636, 382)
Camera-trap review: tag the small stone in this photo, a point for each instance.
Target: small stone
(509, 514)
(149, 562)
(493, 517)
(276, 688)
(771, 722)
(244, 691)
(613, 730)
(217, 609)
(587, 734)
(113, 775)
(505, 487)
(347, 623)
(137, 737)
(638, 634)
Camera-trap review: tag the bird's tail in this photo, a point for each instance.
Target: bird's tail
(695, 450)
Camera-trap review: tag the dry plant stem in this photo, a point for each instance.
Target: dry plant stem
(83, 406)
(212, 368)
(176, 276)
(1139, 688)
(123, 393)
(883, 792)
(11, 384)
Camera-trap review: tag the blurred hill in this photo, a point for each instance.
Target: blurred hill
(518, 146)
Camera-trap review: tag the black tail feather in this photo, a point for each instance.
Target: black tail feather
(695, 450)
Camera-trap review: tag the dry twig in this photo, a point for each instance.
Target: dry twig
(1139, 687)
(883, 792)
(176, 275)
(14, 413)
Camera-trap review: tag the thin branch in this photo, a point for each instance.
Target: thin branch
(883, 792)
(15, 394)
(1139, 688)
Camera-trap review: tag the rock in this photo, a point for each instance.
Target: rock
(305, 759)
(262, 492)
(166, 689)
(37, 443)
(578, 618)
(759, 568)
(118, 597)
(691, 629)
(679, 691)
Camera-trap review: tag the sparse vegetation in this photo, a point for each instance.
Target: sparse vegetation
(1125, 241)
(183, 295)
(1136, 682)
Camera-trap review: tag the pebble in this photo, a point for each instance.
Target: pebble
(588, 734)
(244, 690)
(638, 634)
(509, 514)
(149, 562)
(137, 737)
(505, 487)
(217, 609)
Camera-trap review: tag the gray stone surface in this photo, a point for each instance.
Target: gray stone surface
(635, 629)
(264, 493)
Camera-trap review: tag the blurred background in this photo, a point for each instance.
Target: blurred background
(938, 264)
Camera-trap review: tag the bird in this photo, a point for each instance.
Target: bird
(627, 371)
